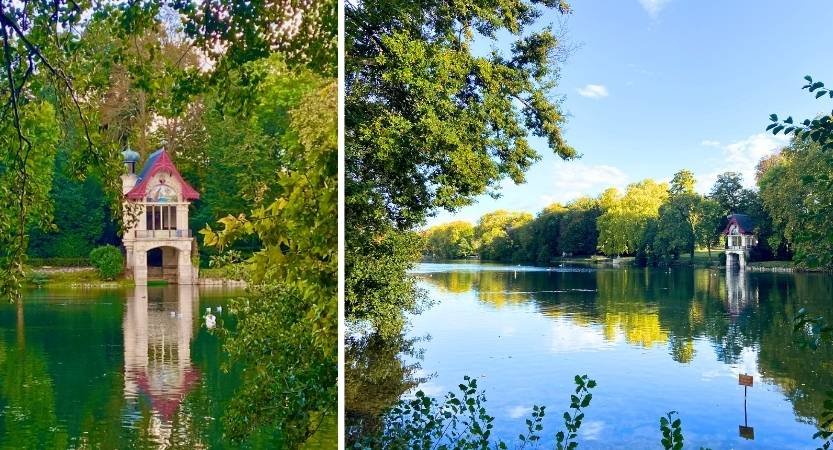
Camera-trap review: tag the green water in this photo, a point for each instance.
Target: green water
(114, 369)
(655, 340)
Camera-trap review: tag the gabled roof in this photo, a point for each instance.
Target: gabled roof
(160, 160)
(744, 222)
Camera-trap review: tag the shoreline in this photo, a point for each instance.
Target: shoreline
(627, 262)
(87, 278)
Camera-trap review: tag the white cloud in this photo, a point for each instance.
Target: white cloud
(709, 143)
(571, 180)
(592, 430)
(593, 91)
(519, 411)
(653, 7)
(742, 156)
(568, 337)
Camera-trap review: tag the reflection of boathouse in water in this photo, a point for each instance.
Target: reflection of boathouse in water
(739, 292)
(158, 328)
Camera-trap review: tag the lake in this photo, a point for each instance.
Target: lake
(655, 340)
(124, 368)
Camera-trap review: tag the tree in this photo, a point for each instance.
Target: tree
(494, 233)
(796, 192)
(622, 224)
(81, 216)
(431, 125)
(451, 240)
(729, 193)
(680, 217)
(42, 83)
(579, 234)
(709, 229)
(682, 183)
(293, 304)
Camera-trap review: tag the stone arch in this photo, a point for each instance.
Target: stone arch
(176, 266)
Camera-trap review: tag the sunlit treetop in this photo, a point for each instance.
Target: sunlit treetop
(234, 31)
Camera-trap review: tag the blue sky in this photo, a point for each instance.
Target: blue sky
(661, 85)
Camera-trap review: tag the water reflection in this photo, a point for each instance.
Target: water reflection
(739, 294)
(653, 338)
(158, 331)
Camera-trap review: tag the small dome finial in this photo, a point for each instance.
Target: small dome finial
(129, 155)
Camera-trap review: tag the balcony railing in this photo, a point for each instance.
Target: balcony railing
(736, 242)
(162, 234)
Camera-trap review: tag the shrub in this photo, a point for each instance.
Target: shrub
(108, 260)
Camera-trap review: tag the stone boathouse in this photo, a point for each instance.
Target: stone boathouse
(158, 243)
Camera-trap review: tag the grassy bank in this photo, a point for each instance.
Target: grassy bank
(66, 276)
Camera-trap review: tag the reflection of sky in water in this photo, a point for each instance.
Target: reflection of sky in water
(526, 352)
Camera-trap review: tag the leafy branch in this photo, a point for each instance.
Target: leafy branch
(819, 130)
(812, 330)
(572, 422)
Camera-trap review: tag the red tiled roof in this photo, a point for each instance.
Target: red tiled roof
(160, 160)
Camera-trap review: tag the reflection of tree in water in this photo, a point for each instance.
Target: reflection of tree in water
(651, 307)
(376, 376)
(27, 395)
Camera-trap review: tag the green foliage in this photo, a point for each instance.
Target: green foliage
(25, 182)
(811, 332)
(108, 261)
(289, 384)
(572, 421)
(462, 421)
(430, 124)
(306, 37)
(287, 329)
(625, 218)
(672, 431)
(729, 193)
(818, 130)
(498, 234)
(451, 240)
(796, 191)
(81, 217)
(379, 291)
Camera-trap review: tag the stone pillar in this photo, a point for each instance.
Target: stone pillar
(140, 267)
(185, 271)
(182, 216)
(128, 258)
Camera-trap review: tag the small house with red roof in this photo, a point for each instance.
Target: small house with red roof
(158, 243)
(740, 238)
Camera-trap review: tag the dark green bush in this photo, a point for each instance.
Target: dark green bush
(108, 260)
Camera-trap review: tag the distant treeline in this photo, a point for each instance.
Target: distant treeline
(658, 223)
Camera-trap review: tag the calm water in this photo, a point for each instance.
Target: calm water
(654, 340)
(109, 369)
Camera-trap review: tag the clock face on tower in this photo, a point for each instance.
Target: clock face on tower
(162, 194)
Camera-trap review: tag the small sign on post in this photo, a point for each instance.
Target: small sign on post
(745, 430)
(745, 380)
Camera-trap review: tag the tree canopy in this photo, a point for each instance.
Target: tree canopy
(430, 124)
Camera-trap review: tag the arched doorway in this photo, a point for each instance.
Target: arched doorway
(162, 264)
